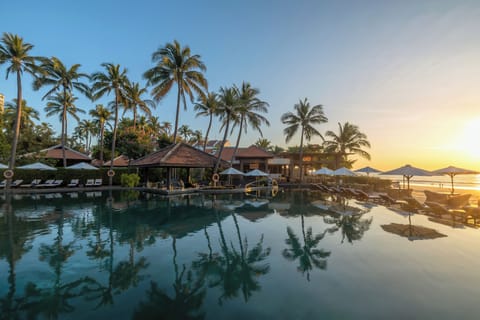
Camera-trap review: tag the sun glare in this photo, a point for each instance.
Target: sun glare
(469, 141)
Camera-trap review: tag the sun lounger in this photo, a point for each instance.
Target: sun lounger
(413, 205)
(98, 182)
(16, 183)
(440, 210)
(56, 183)
(32, 184)
(43, 185)
(390, 201)
(3, 184)
(90, 183)
(73, 183)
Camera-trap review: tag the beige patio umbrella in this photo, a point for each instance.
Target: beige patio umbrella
(407, 171)
(453, 171)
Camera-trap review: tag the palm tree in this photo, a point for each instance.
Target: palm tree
(63, 79)
(112, 80)
(228, 101)
(15, 52)
(248, 111)
(134, 100)
(349, 140)
(264, 144)
(185, 131)
(86, 129)
(196, 136)
(304, 118)
(63, 104)
(167, 128)
(101, 115)
(175, 64)
(28, 113)
(207, 107)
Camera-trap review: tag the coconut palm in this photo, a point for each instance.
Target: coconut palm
(185, 132)
(16, 54)
(248, 111)
(86, 129)
(134, 100)
(61, 79)
(28, 113)
(207, 107)
(101, 115)
(175, 64)
(348, 140)
(264, 144)
(63, 104)
(113, 79)
(228, 101)
(304, 118)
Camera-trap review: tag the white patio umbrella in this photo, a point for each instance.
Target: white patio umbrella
(368, 170)
(231, 171)
(453, 171)
(408, 172)
(256, 173)
(2, 166)
(323, 171)
(82, 166)
(37, 166)
(343, 172)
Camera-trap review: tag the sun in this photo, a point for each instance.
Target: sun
(469, 140)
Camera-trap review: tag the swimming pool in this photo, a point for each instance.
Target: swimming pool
(298, 255)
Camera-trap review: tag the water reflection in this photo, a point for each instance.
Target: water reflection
(94, 250)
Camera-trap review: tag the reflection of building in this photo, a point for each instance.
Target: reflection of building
(2, 103)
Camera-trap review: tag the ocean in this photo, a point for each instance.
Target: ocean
(460, 182)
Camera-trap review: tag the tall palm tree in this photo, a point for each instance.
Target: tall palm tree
(134, 100)
(248, 111)
(227, 103)
(207, 107)
(167, 128)
(304, 118)
(348, 140)
(63, 104)
(101, 115)
(196, 136)
(185, 131)
(113, 79)
(61, 79)
(16, 54)
(175, 64)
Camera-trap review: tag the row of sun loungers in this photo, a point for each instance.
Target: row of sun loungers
(51, 183)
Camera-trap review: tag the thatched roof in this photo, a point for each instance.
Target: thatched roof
(178, 155)
(56, 152)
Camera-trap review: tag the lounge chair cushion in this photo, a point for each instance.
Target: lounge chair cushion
(441, 198)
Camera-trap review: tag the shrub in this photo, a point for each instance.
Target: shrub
(129, 180)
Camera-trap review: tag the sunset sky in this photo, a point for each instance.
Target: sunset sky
(406, 72)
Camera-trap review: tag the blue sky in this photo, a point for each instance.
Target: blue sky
(406, 72)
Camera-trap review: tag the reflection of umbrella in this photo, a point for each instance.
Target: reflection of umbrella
(231, 171)
(412, 232)
(37, 166)
(256, 173)
(323, 171)
(453, 171)
(257, 203)
(368, 170)
(2, 166)
(82, 166)
(408, 172)
(343, 172)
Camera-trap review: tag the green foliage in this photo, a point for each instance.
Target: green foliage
(129, 180)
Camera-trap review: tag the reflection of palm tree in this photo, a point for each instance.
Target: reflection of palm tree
(189, 294)
(352, 227)
(307, 254)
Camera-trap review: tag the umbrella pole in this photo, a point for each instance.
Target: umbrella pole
(451, 179)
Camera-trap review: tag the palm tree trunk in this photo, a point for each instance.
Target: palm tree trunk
(102, 133)
(238, 140)
(114, 140)
(177, 114)
(301, 156)
(134, 118)
(64, 129)
(223, 144)
(11, 163)
(208, 131)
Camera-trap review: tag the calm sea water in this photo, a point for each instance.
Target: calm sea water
(460, 182)
(298, 255)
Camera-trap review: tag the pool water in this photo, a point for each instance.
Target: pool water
(298, 255)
